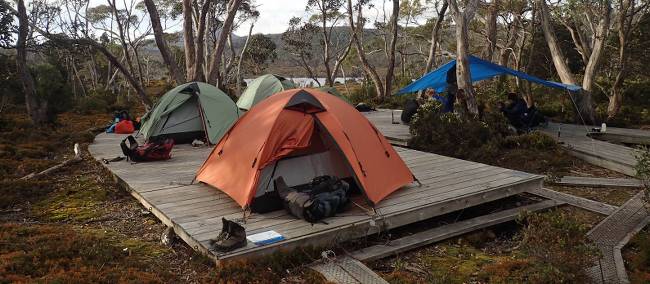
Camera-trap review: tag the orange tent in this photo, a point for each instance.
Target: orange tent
(299, 134)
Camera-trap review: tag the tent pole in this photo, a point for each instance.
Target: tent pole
(205, 128)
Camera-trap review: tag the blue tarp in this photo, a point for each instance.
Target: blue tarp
(480, 70)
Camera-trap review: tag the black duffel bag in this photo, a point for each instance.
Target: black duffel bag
(324, 197)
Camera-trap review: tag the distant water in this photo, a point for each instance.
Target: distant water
(305, 82)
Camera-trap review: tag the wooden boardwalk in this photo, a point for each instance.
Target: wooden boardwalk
(612, 234)
(573, 137)
(604, 154)
(194, 211)
(599, 182)
(388, 122)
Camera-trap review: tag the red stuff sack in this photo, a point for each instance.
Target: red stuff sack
(150, 151)
(124, 127)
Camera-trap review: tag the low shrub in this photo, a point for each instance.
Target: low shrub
(488, 140)
(63, 254)
(457, 136)
(269, 269)
(558, 247)
(642, 169)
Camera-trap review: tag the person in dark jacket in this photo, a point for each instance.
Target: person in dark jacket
(515, 110)
(410, 109)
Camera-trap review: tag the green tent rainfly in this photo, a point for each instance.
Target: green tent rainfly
(261, 88)
(333, 91)
(188, 111)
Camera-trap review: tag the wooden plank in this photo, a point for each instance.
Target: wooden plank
(447, 231)
(346, 270)
(577, 201)
(600, 182)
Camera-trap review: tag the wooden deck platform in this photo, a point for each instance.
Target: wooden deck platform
(194, 211)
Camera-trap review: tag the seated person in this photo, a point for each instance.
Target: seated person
(533, 117)
(412, 105)
(410, 109)
(515, 110)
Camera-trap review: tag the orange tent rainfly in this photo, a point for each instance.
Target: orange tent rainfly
(300, 134)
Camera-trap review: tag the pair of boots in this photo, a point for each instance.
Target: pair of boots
(232, 236)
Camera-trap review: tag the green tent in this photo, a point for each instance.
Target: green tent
(188, 111)
(261, 88)
(333, 91)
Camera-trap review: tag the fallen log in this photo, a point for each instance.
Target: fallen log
(77, 158)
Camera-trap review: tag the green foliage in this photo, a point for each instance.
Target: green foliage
(457, 136)
(642, 169)
(558, 247)
(52, 85)
(260, 50)
(9, 84)
(534, 140)
(7, 26)
(367, 94)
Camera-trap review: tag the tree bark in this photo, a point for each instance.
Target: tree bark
(435, 34)
(37, 109)
(241, 58)
(602, 30)
(600, 35)
(356, 34)
(491, 31)
(341, 58)
(213, 74)
(559, 60)
(120, 29)
(199, 75)
(158, 32)
(326, 44)
(584, 105)
(625, 19)
(388, 83)
(463, 72)
(188, 41)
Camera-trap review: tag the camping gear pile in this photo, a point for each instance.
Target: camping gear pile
(324, 197)
(122, 124)
(151, 151)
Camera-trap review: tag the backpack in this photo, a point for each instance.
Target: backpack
(325, 196)
(150, 151)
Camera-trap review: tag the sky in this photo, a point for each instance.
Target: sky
(275, 15)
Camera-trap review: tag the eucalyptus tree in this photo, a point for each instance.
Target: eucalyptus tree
(334, 46)
(356, 22)
(462, 17)
(589, 25)
(298, 42)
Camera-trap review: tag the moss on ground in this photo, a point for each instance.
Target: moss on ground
(612, 196)
(637, 257)
(77, 226)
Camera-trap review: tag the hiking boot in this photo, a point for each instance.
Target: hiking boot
(232, 236)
